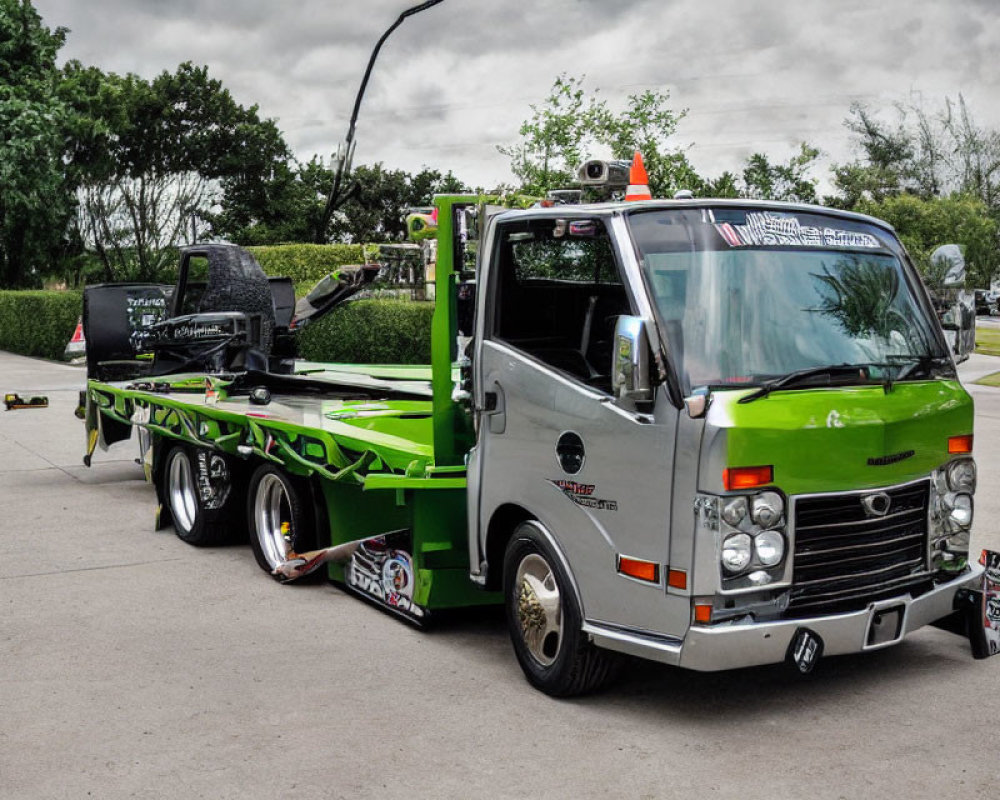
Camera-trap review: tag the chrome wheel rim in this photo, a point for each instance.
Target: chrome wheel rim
(539, 609)
(182, 492)
(273, 520)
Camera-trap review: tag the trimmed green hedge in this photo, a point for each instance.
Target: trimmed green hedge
(371, 332)
(305, 264)
(38, 323)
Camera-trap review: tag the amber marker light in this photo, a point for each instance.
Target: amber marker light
(677, 579)
(703, 613)
(736, 478)
(639, 569)
(960, 444)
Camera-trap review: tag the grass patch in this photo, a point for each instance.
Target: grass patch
(990, 380)
(988, 341)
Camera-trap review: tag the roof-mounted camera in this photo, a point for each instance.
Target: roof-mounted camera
(610, 175)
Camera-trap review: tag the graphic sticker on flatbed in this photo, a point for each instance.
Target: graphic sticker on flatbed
(382, 569)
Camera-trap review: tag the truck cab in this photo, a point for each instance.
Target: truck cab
(715, 434)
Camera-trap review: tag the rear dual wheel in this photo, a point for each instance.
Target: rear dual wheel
(279, 516)
(196, 487)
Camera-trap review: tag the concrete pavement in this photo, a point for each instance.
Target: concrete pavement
(135, 666)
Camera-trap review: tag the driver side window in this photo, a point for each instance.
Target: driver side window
(559, 293)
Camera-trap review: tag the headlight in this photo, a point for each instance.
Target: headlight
(737, 551)
(770, 547)
(961, 510)
(766, 509)
(734, 510)
(962, 475)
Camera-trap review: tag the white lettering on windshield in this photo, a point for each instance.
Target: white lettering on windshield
(766, 228)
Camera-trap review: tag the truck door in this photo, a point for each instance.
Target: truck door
(551, 438)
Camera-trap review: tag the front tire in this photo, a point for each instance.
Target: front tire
(545, 622)
(277, 512)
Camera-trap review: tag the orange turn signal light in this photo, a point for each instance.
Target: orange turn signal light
(677, 579)
(960, 444)
(703, 613)
(639, 569)
(736, 478)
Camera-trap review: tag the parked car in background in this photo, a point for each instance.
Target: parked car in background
(987, 302)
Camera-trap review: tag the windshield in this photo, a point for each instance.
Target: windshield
(747, 296)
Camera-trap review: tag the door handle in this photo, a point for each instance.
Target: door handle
(494, 409)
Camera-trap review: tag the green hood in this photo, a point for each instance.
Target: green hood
(821, 440)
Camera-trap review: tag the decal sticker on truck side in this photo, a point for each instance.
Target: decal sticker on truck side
(581, 494)
(382, 569)
(991, 600)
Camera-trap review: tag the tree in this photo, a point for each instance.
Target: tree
(376, 210)
(646, 124)
(975, 155)
(763, 180)
(934, 175)
(35, 201)
(925, 224)
(569, 127)
(927, 154)
(158, 156)
(553, 140)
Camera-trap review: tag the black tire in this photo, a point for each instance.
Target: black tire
(554, 653)
(200, 519)
(276, 498)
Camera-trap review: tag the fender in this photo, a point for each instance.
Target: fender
(564, 562)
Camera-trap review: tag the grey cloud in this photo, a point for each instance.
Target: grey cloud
(458, 79)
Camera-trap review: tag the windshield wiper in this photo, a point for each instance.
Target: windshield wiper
(802, 375)
(924, 362)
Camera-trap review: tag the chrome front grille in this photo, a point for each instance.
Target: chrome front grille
(847, 555)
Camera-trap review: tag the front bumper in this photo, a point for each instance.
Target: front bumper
(709, 648)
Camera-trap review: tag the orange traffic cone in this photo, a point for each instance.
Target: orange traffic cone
(77, 346)
(638, 181)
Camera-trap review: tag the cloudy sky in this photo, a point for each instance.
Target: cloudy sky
(458, 79)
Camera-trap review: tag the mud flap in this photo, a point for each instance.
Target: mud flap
(977, 611)
(984, 633)
(378, 569)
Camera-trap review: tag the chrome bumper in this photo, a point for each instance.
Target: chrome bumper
(710, 648)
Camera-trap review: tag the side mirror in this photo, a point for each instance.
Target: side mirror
(948, 262)
(630, 361)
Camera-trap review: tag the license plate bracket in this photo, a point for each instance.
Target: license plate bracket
(885, 626)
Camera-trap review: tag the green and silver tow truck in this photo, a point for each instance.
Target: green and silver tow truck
(713, 434)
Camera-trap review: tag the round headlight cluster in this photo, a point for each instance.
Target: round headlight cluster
(767, 509)
(770, 547)
(961, 510)
(738, 550)
(962, 475)
(734, 510)
(758, 540)
(764, 510)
